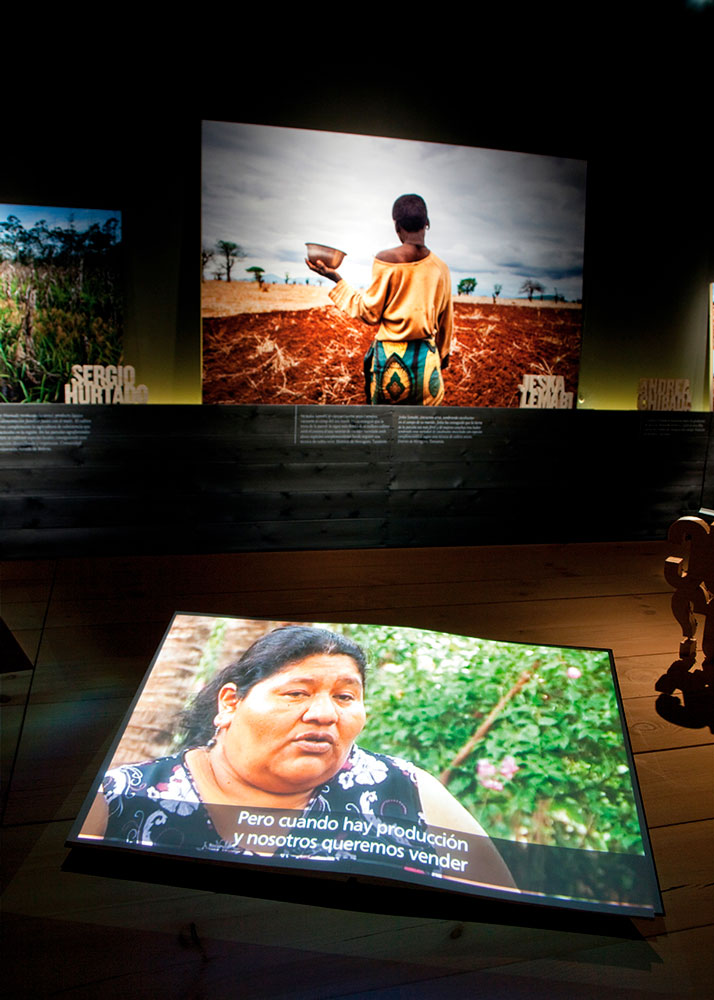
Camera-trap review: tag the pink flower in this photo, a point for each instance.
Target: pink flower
(574, 673)
(485, 769)
(508, 767)
(486, 775)
(489, 777)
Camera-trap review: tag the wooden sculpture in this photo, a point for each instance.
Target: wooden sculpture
(692, 576)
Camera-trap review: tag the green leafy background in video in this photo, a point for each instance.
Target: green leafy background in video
(551, 769)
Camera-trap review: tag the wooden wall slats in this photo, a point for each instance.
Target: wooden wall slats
(277, 523)
(229, 457)
(183, 478)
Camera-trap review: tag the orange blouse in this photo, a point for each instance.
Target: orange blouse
(410, 301)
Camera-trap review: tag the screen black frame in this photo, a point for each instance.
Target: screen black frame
(357, 888)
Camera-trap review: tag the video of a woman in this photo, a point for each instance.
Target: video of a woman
(357, 748)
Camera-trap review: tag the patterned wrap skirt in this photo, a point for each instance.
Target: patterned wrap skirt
(403, 372)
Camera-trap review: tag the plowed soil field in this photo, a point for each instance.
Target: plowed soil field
(314, 355)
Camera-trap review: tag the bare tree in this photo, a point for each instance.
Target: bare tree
(530, 286)
(232, 252)
(207, 256)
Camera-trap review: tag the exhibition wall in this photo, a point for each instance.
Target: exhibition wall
(180, 476)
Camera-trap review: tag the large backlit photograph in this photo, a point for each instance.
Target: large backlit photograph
(483, 767)
(309, 263)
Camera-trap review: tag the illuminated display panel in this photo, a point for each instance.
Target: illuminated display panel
(508, 225)
(486, 768)
(62, 306)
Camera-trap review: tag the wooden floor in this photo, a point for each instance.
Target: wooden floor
(86, 630)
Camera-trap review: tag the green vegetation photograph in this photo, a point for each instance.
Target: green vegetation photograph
(528, 738)
(61, 300)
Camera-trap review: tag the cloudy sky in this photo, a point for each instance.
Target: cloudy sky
(500, 217)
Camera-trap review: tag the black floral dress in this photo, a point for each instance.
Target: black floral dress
(370, 811)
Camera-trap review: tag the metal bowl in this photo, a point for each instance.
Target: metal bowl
(330, 256)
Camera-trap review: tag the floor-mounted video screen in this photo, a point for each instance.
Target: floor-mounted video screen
(62, 307)
(508, 226)
(487, 768)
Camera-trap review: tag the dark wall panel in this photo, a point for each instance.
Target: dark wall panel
(199, 479)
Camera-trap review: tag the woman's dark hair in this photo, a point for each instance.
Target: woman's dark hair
(268, 655)
(409, 212)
